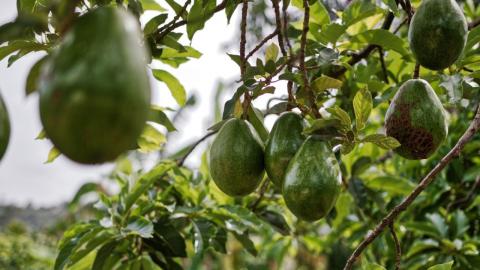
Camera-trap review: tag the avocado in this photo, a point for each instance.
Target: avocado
(4, 128)
(95, 91)
(312, 181)
(284, 141)
(437, 33)
(237, 158)
(417, 119)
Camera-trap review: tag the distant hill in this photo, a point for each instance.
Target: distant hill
(35, 218)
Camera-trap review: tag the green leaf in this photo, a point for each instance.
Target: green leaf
(383, 141)
(453, 85)
(151, 5)
(230, 8)
(347, 147)
(103, 254)
(362, 105)
(151, 140)
(52, 155)
(391, 184)
(146, 181)
(246, 242)
(384, 38)
(319, 124)
(176, 88)
(158, 116)
(42, 135)
(176, 7)
(84, 189)
(167, 239)
(271, 53)
(25, 46)
(256, 118)
(358, 10)
(324, 82)
(140, 226)
(34, 76)
(153, 24)
(444, 266)
(201, 11)
(342, 116)
(371, 266)
(439, 223)
(319, 14)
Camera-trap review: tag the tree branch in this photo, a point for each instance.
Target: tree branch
(474, 24)
(397, 210)
(303, 43)
(398, 249)
(243, 61)
(181, 160)
(263, 189)
(382, 63)
(261, 43)
(416, 71)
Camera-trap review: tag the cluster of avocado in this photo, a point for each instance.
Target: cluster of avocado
(95, 91)
(305, 169)
(416, 118)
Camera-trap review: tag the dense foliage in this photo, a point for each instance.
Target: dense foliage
(346, 60)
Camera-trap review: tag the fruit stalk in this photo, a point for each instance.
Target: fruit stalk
(429, 178)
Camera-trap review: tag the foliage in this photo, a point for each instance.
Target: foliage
(171, 216)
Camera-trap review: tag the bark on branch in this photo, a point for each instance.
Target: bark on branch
(397, 210)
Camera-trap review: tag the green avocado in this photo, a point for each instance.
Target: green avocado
(312, 180)
(417, 119)
(437, 33)
(284, 141)
(237, 158)
(4, 128)
(95, 91)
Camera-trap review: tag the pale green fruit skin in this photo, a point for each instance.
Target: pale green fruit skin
(438, 33)
(237, 158)
(4, 128)
(284, 141)
(312, 180)
(95, 91)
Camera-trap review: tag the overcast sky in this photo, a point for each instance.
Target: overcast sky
(24, 178)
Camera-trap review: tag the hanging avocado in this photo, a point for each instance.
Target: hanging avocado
(312, 180)
(236, 158)
(417, 119)
(95, 92)
(437, 33)
(4, 128)
(284, 141)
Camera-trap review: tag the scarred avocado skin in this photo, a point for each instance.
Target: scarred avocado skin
(4, 128)
(95, 92)
(237, 158)
(417, 119)
(312, 180)
(437, 33)
(285, 139)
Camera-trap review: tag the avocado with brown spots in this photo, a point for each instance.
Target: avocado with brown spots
(95, 91)
(237, 158)
(417, 119)
(284, 141)
(312, 181)
(437, 33)
(4, 128)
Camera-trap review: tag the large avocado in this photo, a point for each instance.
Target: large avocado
(437, 33)
(95, 92)
(4, 128)
(417, 119)
(236, 158)
(312, 180)
(284, 141)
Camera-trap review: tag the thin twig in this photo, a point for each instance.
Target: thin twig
(382, 63)
(474, 24)
(431, 176)
(416, 71)
(400, 25)
(261, 43)
(303, 43)
(368, 49)
(467, 198)
(263, 189)
(243, 60)
(280, 27)
(181, 160)
(160, 34)
(177, 16)
(398, 248)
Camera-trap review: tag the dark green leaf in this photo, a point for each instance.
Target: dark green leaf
(176, 88)
(34, 76)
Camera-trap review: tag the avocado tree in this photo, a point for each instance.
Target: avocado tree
(372, 163)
